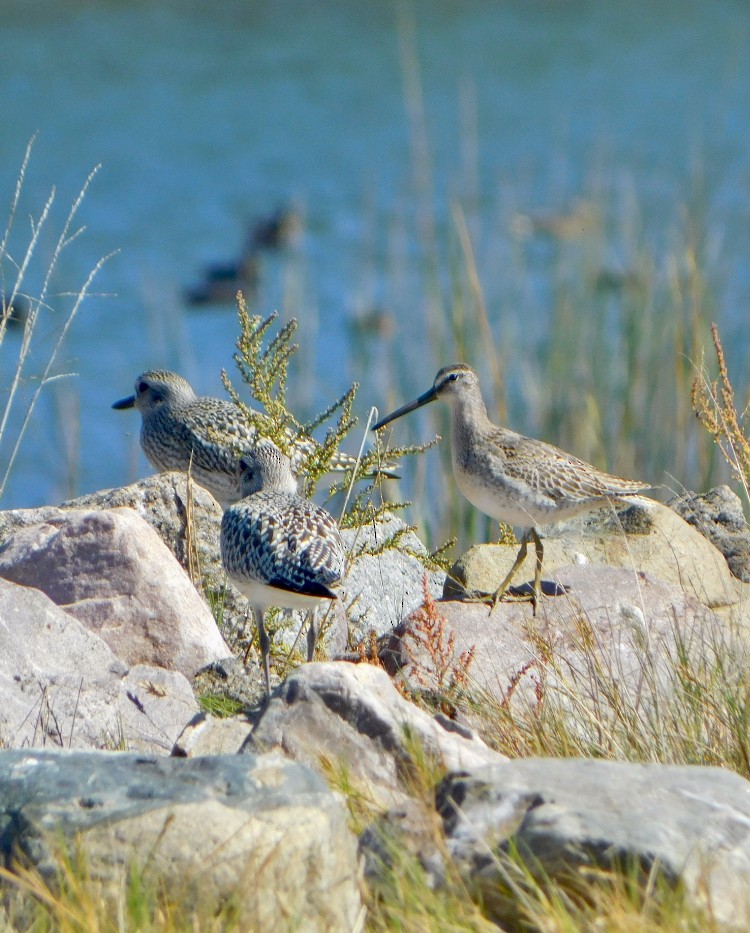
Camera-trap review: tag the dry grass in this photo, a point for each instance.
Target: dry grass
(441, 670)
(683, 698)
(76, 901)
(714, 403)
(687, 703)
(14, 271)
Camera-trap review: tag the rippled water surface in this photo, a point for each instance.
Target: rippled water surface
(204, 116)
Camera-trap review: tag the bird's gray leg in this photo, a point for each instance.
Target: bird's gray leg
(250, 613)
(538, 571)
(311, 637)
(265, 648)
(520, 557)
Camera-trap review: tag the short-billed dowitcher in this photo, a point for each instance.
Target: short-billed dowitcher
(512, 478)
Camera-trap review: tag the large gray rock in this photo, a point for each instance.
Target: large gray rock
(384, 583)
(62, 686)
(719, 516)
(352, 716)
(656, 541)
(615, 634)
(185, 516)
(110, 570)
(186, 519)
(690, 824)
(258, 829)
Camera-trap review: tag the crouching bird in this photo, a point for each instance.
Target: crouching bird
(278, 548)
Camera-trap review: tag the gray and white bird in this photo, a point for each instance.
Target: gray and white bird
(183, 431)
(278, 548)
(512, 478)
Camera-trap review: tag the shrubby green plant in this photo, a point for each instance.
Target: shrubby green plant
(262, 359)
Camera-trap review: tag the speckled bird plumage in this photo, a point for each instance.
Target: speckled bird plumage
(278, 548)
(515, 479)
(182, 431)
(287, 544)
(512, 478)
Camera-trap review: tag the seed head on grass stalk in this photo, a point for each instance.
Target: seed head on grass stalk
(713, 403)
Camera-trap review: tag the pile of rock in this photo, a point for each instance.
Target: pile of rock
(103, 639)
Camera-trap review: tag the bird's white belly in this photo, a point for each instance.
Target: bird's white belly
(262, 596)
(499, 502)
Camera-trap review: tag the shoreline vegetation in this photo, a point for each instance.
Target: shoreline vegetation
(28, 292)
(624, 377)
(587, 324)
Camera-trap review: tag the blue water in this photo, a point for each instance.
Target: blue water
(204, 116)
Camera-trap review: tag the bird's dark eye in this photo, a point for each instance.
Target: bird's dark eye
(142, 386)
(452, 377)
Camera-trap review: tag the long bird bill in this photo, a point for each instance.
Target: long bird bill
(429, 396)
(128, 402)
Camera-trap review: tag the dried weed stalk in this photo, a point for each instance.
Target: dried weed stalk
(438, 666)
(713, 403)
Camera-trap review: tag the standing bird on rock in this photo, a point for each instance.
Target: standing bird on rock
(182, 431)
(277, 548)
(512, 478)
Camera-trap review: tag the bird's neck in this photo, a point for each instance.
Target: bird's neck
(162, 413)
(468, 415)
(285, 484)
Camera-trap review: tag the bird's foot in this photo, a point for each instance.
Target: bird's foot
(479, 596)
(521, 593)
(524, 592)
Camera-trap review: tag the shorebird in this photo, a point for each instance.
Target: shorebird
(205, 435)
(278, 548)
(512, 478)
